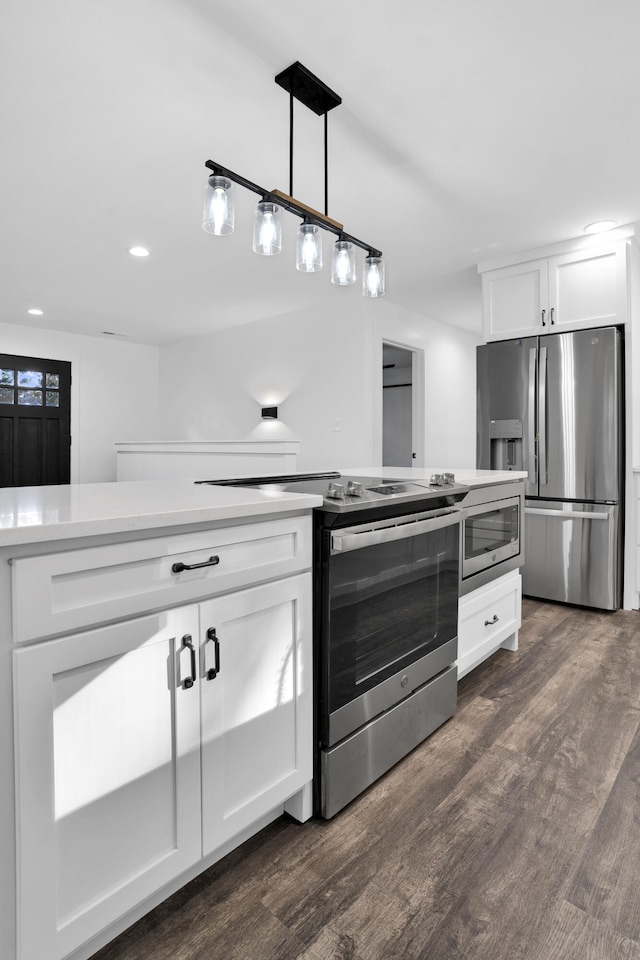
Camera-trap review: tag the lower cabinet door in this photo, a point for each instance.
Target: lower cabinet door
(257, 707)
(108, 775)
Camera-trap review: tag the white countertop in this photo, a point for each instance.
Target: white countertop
(470, 477)
(38, 514)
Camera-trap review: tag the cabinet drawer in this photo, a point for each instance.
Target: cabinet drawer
(82, 588)
(486, 618)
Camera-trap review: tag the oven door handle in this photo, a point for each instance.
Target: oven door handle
(350, 539)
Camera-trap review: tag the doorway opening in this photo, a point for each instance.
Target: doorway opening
(35, 421)
(400, 418)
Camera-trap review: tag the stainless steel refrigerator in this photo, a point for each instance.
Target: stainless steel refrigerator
(553, 406)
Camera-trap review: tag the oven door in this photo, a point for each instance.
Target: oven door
(491, 534)
(390, 620)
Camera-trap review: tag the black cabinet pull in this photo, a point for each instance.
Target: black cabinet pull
(213, 672)
(494, 619)
(544, 323)
(187, 643)
(551, 312)
(180, 566)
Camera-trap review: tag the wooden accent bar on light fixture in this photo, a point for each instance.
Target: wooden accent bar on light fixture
(306, 209)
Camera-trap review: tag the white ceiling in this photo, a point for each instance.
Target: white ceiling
(469, 129)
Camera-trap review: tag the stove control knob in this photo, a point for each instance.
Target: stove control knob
(354, 489)
(335, 491)
(436, 480)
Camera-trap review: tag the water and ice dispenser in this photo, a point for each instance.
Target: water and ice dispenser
(506, 444)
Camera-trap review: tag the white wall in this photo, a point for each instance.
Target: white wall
(114, 392)
(449, 384)
(324, 372)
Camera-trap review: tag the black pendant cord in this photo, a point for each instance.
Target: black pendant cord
(326, 168)
(291, 143)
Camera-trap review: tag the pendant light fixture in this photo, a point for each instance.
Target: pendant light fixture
(219, 206)
(309, 247)
(373, 279)
(267, 229)
(218, 217)
(343, 264)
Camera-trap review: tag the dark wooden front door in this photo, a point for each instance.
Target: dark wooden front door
(35, 421)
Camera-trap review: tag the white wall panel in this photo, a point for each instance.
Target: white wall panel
(324, 372)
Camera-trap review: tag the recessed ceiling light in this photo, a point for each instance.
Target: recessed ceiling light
(138, 251)
(35, 312)
(600, 226)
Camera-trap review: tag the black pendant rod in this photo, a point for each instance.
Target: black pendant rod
(291, 205)
(326, 169)
(291, 144)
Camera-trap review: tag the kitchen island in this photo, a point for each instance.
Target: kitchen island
(159, 638)
(155, 693)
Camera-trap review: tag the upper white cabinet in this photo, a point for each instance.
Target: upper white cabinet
(568, 291)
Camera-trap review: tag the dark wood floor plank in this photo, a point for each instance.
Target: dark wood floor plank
(236, 928)
(607, 882)
(567, 729)
(501, 910)
(574, 935)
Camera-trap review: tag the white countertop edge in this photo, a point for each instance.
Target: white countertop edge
(30, 515)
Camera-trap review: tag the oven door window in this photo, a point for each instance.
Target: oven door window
(390, 604)
(486, 532)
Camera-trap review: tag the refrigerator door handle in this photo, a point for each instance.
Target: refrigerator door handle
(542, 417)
(567, 514)
(531, 432)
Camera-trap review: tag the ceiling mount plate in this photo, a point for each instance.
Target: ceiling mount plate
(308, 89)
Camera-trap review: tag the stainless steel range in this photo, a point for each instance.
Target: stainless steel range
(386, 577)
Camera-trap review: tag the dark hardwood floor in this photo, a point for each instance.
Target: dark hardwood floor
(513, 832)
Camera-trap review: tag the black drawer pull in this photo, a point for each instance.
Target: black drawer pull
(180, 566)
(489, 623)
(213, 672)
(188, 643)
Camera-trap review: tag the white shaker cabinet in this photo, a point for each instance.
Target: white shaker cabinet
(256, 704)
(513, 299)
(151, 745)
(108, 776)
(569, 291)
(489, 618)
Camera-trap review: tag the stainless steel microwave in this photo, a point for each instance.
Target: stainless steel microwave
(492, 533)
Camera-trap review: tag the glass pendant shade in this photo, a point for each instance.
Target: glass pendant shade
(219, 206)
(267, 229)
(373, 277)
(309, 248)
(343, 264)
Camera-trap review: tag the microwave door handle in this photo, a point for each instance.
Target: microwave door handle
(349, 539)
(531, 432)
(542, 417)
